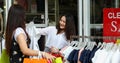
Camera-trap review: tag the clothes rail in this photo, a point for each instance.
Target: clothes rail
(96, 37)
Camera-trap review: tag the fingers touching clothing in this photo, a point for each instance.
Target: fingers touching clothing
(54, 49)
(48, 56)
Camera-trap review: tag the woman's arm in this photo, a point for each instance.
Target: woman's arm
(44, 31)
(26, 51)
(37, 31)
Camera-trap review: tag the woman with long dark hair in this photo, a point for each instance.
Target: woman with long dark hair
(58, 36)
(16, 37)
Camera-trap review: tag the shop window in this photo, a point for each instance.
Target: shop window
(96, 14)
(36, 12)
(97, 9)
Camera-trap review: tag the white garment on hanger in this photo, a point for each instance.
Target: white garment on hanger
(109, 57)
(116, 56)
(100, 56)
(34, 37)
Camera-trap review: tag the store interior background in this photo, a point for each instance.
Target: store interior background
(88, 14)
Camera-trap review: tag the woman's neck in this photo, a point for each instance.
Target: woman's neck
(62, 31)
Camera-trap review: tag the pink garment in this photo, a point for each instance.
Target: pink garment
(80, 51)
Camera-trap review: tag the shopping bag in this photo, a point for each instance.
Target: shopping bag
(4, 58)
(57, 60)
(26, 60)
(33, 60)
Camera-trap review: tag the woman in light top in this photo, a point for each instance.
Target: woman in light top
(58, 36)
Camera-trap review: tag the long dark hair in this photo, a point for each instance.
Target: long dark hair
(69, 27)
(16, 18)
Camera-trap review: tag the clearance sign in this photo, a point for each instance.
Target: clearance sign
(111, 23)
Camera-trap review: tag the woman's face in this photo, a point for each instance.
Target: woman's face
(62, 22)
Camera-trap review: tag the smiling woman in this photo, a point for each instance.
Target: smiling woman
(58, 36)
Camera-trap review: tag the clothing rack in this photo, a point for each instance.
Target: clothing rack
(95, 37)
(106, 51)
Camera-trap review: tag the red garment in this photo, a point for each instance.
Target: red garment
(57, 55)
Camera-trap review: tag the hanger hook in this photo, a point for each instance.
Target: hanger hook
(34, 18)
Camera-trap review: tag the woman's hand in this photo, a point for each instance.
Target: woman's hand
(54, 50)
(47, 56)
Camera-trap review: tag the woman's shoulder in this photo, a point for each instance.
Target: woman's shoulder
(19, 29)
